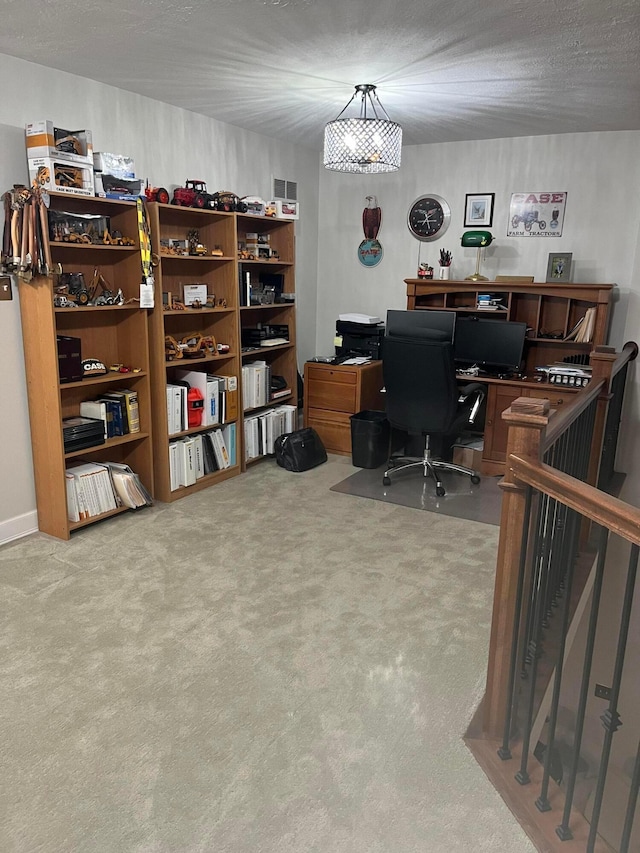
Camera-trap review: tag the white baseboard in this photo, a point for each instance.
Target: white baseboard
(21, 525)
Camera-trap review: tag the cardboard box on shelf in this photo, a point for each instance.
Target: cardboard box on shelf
(62, 176)
(44, 139)
(118, 165)
(286, 209)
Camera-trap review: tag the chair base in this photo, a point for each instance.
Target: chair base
(430, 468)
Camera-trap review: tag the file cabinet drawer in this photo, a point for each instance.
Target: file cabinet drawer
(325, 373)
(333, 428)
(332, 394)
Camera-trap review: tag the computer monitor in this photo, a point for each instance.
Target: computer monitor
(410, 324)
(494, 345)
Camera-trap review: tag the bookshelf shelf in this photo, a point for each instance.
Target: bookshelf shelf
(109, 444)
(111, 334)
(77, 525)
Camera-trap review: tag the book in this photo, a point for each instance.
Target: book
(128, 486)
(133, 410)
(208, 454)
(229, 433)
(96, 409)
(199, 456)
(585, 332)
(572, 334)
(116, 414)
(212, 401)
(174, 482)
(186, 462)
(219, 449)
(121, 399)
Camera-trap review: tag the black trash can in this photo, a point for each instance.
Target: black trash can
(369, 439)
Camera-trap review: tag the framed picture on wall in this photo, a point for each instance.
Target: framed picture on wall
(478, 209)
(559, 266)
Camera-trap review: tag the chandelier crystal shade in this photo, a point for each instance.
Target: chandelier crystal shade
(367, 144)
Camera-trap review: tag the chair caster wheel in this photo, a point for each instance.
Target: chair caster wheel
(440, 492)
(475, 480)
(386, 481)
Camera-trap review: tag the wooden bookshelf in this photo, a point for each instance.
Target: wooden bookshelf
(112, 334)
(224, 276)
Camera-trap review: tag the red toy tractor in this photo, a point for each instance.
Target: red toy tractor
(159, 194)
(192, 194)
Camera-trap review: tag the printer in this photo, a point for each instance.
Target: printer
(361, 338)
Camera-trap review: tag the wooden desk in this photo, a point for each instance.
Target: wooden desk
(334, 392)
(500, 394)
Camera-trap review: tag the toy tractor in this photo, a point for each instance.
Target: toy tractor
(192, 194)
(159, 194)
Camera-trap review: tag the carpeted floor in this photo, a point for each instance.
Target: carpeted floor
(264, 666)
(411, 489)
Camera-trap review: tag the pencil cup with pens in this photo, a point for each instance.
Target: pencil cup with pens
(445, 265)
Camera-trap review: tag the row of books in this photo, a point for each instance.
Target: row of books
(256, 384)
(94, 489)
(195, 456)
(219, 396)
(583, 330)
(118, 410)
(261, 431)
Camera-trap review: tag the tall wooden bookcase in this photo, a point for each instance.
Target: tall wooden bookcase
(219, 274)
(112, 334)
(278, 235)
(224, 275)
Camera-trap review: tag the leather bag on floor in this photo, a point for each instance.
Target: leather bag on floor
(300, 450)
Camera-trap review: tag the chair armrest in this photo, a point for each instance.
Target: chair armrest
(467, 392)
(471, 388)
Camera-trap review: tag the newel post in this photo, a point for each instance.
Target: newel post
(527, 418)
(602, 360)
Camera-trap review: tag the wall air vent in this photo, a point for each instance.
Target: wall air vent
(284, 189)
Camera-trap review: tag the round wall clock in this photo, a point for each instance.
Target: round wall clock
(428, 217)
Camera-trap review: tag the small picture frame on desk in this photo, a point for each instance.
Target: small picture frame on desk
(478, 210)
(559, 267)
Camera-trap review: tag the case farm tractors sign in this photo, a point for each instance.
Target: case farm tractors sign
(536, 214)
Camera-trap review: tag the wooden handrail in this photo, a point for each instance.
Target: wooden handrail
(610, 512)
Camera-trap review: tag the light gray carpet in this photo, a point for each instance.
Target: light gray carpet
(410, 488)
(264, 666)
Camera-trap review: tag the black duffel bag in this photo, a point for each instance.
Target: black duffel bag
(300, 450)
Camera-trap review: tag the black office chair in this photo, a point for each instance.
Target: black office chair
(423, 399)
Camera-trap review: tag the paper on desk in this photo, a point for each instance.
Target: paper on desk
(360, 359)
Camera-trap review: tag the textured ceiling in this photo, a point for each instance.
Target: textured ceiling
(446, 70)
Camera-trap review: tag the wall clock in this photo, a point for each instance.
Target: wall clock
(428, 217)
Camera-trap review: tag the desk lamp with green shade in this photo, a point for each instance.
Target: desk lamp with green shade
(479, 240)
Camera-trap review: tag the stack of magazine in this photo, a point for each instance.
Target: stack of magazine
(94, 489)
(582, 332)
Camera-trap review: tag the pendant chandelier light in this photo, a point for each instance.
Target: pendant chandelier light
(366, 144)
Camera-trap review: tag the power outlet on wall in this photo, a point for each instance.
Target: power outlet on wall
(5, 287)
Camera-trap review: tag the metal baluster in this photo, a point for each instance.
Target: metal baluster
(505, 752)
(562, 831)
(542, 803)
(611, 719)
(543, 504)
(631, 805)
(522, 775)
